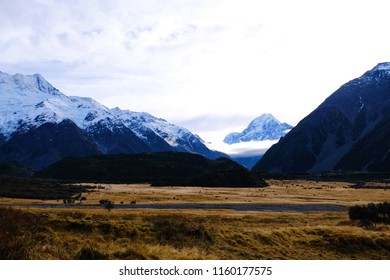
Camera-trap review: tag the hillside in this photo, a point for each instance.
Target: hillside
(348, 132)
(162, 169)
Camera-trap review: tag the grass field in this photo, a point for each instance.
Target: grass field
(95, 233)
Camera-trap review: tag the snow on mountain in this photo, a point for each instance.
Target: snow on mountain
(138, 122)
(28, 102)
(265, 127)
(349, 131)
(178, 137)
(384, 66)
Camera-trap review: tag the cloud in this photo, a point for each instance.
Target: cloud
(196, 63)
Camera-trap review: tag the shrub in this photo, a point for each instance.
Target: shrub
(371, 214)
(104, 201)
(108, 204)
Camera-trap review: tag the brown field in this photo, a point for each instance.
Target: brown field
(96, 233)
(279, 192)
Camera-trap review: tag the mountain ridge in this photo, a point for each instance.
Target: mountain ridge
(29, 102)
(332, 137)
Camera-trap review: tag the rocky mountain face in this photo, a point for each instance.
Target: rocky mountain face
(265, 127)
(40, 125)
(349, 131)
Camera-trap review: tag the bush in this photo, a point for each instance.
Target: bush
(104, 201)
(108, 204)
(371, 214)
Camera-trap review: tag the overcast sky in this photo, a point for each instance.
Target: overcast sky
(210, 66)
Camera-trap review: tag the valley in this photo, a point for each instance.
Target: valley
(134, 229)
(82, 181)
(296, 191)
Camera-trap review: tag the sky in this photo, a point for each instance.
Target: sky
(210, 66)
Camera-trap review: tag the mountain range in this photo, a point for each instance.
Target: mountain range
(349, 131)
(40, 125)
(264, 127)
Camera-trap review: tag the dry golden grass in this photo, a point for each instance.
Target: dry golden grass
(213, 234)
(279, 192)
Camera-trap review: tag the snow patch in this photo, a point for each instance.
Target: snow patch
(384, 66)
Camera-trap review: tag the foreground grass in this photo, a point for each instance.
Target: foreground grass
(190, 234)
(95, 233)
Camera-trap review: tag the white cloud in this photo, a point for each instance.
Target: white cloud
(184, 60)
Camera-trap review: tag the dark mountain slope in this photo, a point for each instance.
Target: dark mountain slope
(347, 132)
(45, 144)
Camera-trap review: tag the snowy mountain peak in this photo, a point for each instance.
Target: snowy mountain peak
(263, 120)
(264, 127)
(23, 84)
(31, 108)
(384, 66)
(29, 101)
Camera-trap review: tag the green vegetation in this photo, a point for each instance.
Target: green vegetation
(158, 169)
(39, 189)
(14, 169)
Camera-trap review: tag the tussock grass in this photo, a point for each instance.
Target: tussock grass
(153, 234)
(95, 233)
(21, 234)
(90, 253)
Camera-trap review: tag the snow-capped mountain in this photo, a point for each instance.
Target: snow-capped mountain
(349, 131)
(39, 125)
(265, 127)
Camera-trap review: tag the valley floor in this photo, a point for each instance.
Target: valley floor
(83, 232)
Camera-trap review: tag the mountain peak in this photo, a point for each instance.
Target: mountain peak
(33, 110)
(349, 131)
(263, 119)
(22, 84)
(384, 66)
(264, 127)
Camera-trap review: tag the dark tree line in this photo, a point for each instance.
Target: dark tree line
(371, 214)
